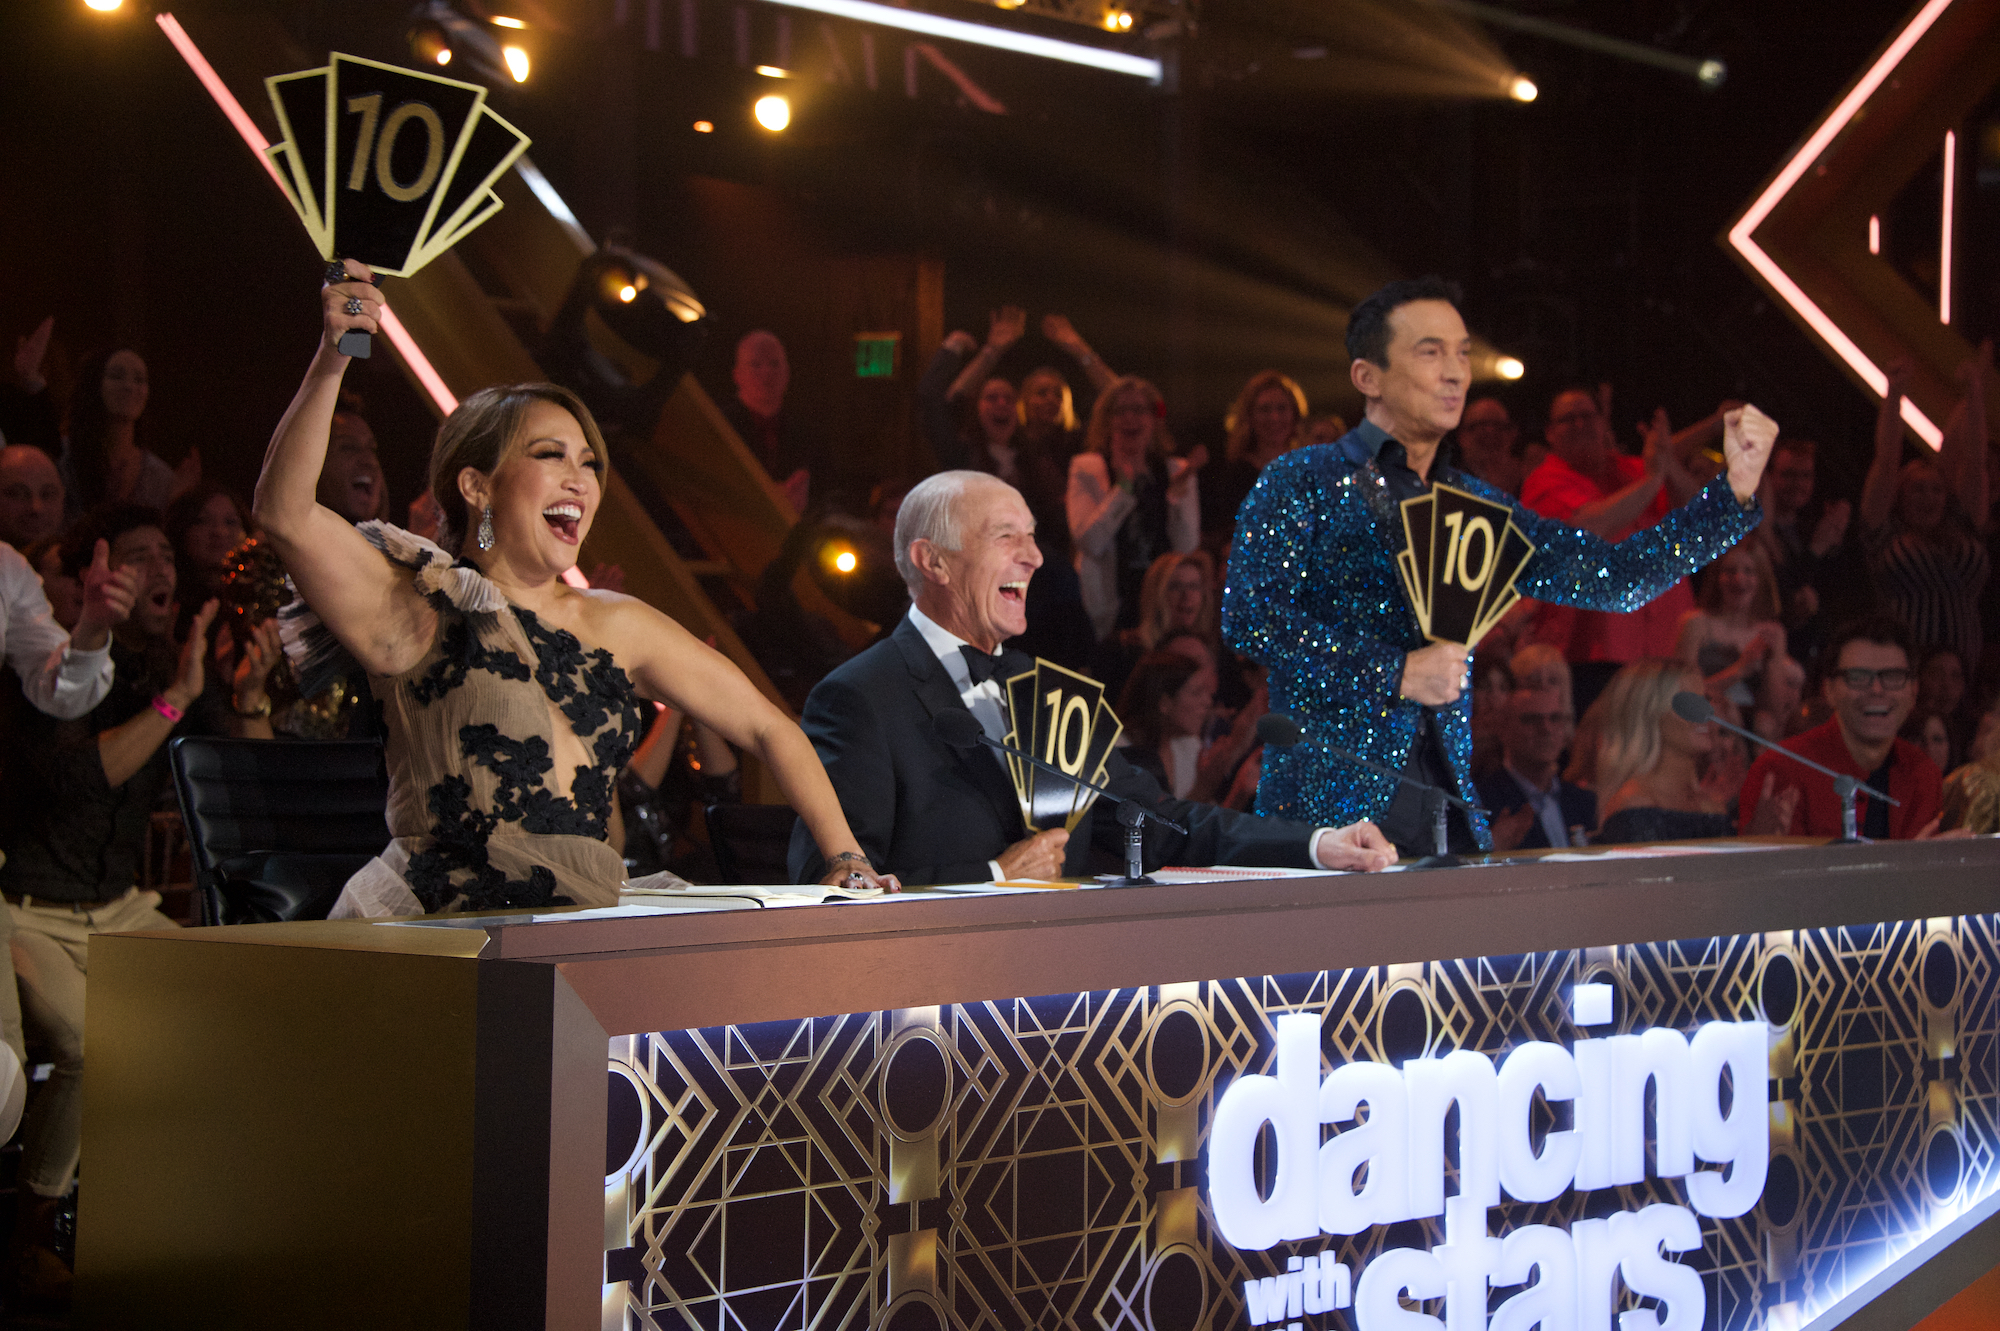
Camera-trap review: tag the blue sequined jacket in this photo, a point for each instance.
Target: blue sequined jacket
(1313, 593)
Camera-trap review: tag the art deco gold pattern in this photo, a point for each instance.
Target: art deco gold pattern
(1036, 1162)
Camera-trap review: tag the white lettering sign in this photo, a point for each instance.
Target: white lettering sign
(1401, 1141)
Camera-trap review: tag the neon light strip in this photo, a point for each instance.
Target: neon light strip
(392, 327)
(220, 92)
(980, 34)
(1874, 235)
(1781, 282)
(539, 185)
(1944, 234)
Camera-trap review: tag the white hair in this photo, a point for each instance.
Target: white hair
(930, 513)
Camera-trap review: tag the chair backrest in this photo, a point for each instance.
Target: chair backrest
(276, 827)
(751, 841)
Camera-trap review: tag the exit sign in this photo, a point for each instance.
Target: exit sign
(875, 355)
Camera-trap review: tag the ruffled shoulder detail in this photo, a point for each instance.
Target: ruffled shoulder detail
(437, 573)
(317, 657)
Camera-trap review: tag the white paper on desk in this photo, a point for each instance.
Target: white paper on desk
(667, 888)
(1225, 873)
(1658, 852)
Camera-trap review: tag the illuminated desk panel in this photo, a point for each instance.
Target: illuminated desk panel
(331, 1122)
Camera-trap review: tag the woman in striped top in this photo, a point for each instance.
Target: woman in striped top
(1923, 522)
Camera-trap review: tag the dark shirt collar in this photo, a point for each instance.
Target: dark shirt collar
(1369, 442)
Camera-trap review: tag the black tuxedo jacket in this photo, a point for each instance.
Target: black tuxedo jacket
(1501, 793)
(929, 813)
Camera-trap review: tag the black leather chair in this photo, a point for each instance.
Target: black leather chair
(751, 841)
(277, 827)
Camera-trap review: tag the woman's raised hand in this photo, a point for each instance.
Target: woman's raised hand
(349, 305)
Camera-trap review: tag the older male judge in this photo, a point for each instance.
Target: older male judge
(930, 813)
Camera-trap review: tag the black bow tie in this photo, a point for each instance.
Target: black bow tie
(981, 664)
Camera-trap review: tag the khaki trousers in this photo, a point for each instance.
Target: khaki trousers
(51, 947)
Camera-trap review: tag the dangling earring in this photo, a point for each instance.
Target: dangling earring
(486, 528)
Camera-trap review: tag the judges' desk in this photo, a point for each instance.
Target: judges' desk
(1724, 1090)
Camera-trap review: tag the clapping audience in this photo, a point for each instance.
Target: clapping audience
(1130, 501)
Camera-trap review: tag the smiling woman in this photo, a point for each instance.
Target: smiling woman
(511, 699)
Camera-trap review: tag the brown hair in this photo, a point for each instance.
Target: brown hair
(478, 434)
(1097, 437)
(1237, 422)
(1157, 677)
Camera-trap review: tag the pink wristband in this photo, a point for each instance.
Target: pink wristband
(166, 709)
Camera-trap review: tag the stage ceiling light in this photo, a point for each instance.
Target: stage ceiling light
(704, 127)
(982, 34)
(500, 21)
(103, 6)
(1507, 367)
(773, 72)
(517, 62)
(1523, 89)
(628, 293)
(845, 561)
(773, 113)
(1711, 73)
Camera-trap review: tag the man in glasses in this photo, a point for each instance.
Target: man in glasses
(1871, 689)
(1532, 805)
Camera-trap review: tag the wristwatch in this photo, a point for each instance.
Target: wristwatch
(260, 712)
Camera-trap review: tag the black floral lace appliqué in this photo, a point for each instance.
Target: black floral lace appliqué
(594, 696)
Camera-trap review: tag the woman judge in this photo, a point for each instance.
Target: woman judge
(511, 699)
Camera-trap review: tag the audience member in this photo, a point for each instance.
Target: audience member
(1177, 596)
(1810, 553)
(104, 462)
(1921, 531)
(1531, 803)
(1130, 501)
(1165, 707)
(1971, 794)
(1325, 428)
(1778, 714)
(1871, 689)
(1941, 688)
(76, 799)
(792, 455)
(1265, 422)
(27, 408)
(1928, 731)
(1540, 666)
(351, 483)
(931, 813)
(204, 526)
(1650, 761)
(1487, 439)
(1587, 483)
(1734, 634)
(1493, 684)
(31, 496)
(996, 441)
(680, 764)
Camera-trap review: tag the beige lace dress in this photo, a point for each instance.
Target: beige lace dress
(503, 746)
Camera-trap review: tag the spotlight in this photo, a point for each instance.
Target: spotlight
(1711, 73)
(773, 113)
(773, 72)
(704, 127)
(502, 22)
(103, 6)
(430, 45)
(1124, 23)
(1507, 367)
(1523, 89)
(517, 62)
(628, 293)
(845, 561)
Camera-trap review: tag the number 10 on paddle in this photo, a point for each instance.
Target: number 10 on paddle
(1459, 563)
(389, 166)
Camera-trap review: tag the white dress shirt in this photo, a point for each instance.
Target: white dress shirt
(56, 677)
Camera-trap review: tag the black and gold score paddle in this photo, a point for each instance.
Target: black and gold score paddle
(385, 165)
(1461, 556)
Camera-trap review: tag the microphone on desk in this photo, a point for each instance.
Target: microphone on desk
(1282, 731)
(961, 730)
(1695, 709)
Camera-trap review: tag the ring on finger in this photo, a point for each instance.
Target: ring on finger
(354, 305)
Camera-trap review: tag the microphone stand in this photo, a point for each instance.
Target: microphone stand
(1694, 709)
(1132, 815)
(1436, 798)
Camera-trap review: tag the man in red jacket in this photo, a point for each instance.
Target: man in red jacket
(1872, 690)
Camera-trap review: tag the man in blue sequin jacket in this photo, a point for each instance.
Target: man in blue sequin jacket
(1314, 594)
